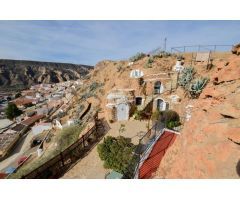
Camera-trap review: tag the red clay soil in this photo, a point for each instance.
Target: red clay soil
(152, 163)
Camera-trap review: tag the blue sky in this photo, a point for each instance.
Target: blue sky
(87, 42)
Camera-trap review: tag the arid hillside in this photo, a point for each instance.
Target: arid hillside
(208, 146)
(17, 74)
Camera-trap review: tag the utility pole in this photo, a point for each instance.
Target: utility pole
(165, 44)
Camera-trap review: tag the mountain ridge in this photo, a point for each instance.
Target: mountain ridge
(20, 74)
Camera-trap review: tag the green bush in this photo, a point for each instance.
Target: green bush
(117, 154)
(137, 57)
(169, 115)
(195, 88)
(172, 124)
(12, 111)
(139, 115)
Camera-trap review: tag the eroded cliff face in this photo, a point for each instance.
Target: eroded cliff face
(209, 144)
(21, 74)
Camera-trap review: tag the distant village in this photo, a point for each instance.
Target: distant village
(42, 105)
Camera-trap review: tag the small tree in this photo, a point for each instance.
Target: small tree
(117, 154)
(12, 111)
(170, 118)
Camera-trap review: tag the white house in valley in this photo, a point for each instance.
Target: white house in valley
(39, 128)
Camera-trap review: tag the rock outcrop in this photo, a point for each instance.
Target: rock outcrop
(209, 144)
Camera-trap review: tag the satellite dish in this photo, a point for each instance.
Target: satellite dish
(136, 73)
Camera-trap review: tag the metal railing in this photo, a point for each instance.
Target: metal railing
(145, 144)
(59, 164)
(198, 48)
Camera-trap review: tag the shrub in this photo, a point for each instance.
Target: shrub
(158, 56)
(137, 115)
(195, 88)
(186, 77)
(172, 124)
(149, 62)
(169, 115)
(137, 57)
(170, 118)
(12, 111)
(164, 54)
(117, 154)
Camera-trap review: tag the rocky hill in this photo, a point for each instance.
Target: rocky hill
(208, 146)
(18, 74)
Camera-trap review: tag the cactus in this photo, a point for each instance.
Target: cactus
(186, 77)
(195, 88)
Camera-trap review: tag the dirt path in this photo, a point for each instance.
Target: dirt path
(91, 167)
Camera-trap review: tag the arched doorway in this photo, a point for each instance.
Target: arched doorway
(122, 111)
(157, 87)
(162, 105)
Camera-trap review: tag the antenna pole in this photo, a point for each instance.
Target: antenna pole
(165, 44)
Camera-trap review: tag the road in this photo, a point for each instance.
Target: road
(20, 149)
